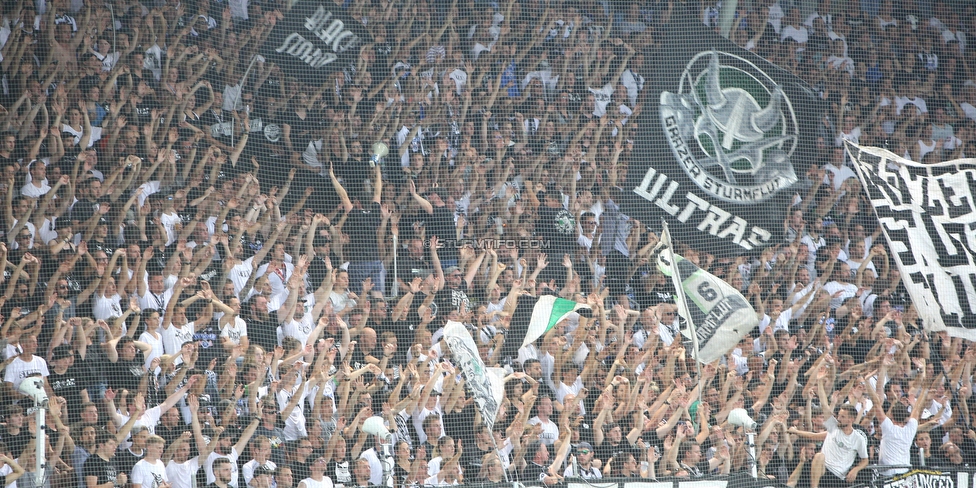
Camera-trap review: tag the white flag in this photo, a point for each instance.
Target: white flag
(485, 384)
(718, 316)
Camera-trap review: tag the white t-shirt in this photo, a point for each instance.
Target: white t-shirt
(169, 222)
(19, 369)
(96, 134)
(918, 102)
(240, 273)
(840, 449)
(234, 330)
(155, 343)
(295, 423)
(156, 301)
(149, 475)
(375, 466)
(149, 420)
(782, 322)
(181, 474)
(968, 109)
(565, 389)
(277, 281)
(550, 431)
(896, 444)
(602, 97)
(310, 483)
(105, 308)
(174, 337)
(848, 291)
(418, 421)
(233, 466)
(839, 175)
(800, 35)
(29, 190)
(250, 466)
(298, 329)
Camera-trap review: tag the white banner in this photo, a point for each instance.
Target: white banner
(928, 215)
(485, 384)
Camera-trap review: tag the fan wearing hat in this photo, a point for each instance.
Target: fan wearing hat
(583, 467)
(66, 381)
(100, 236)
(453, 296)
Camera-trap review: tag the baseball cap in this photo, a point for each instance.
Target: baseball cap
(61, 352)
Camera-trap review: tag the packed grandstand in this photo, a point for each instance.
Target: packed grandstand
(228, 246)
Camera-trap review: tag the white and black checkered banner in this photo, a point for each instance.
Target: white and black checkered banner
(928, 215)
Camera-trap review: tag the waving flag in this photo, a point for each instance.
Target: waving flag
(716, 314)
(928, 216)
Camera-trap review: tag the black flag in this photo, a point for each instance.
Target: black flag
(315, 38)
(724, 139)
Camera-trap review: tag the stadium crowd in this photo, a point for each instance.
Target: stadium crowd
(219, 289)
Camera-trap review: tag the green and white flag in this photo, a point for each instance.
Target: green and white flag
(717, 315)
(546, 313)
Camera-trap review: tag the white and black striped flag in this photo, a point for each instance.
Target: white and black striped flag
(928, 215)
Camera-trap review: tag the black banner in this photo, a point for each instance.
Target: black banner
(724, 138)
(315, 38)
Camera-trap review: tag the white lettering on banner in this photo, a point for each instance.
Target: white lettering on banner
(333, 33)
(922, 479)
(303, 49)
(712, 219)
(731, 192)
(928, 215)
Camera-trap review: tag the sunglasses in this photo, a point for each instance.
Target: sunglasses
(584, 451)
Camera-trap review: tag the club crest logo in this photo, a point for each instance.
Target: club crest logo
(732, 128)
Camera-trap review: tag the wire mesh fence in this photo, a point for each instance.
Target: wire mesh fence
(430, 242)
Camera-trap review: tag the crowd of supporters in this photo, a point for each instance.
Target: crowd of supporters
(218, 288)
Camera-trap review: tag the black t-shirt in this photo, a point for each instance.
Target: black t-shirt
(302, 130)
(262, 332)
(104, 471)
(452, 299)
(277, 438)
(441, 224)
(318, 271)
(68, 386)
(17, 443)
(81, 211)
(412, 267)
(362, 226)
(124, 460)
(125, 374)
(170, 434)
(534, 473)
(208, 343)
(559, 226)
(300, 471)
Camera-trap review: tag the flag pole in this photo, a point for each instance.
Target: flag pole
(683, 300)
